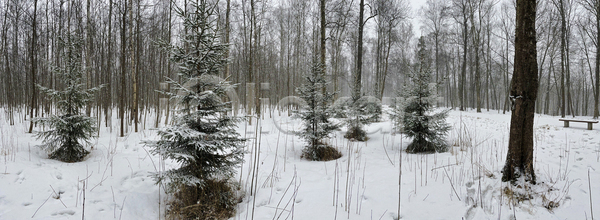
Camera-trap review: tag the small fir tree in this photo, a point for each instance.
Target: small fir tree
(355, 121)
(360, 111)
(202, 139)
(67, 133)
(415, 115)
(316, 116)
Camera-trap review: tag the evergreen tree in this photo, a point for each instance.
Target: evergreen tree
(360, 112)
(415, 115)
(202, 138)
(67, 132)
(316, 116)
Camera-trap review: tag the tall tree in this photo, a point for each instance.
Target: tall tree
(123, 66)
(109, 64)
(203, 139)
(390, 13)
(524, 88)
(564, 11)
(322, 36)
(593, 6)
(340, 18)
(461, 16)
(134, 54)
(88, 54)
(435, 18)
(355, 130)
(33, 60)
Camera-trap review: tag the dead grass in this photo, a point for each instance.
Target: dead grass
(322, 152)
(215, 201)
(356, 134)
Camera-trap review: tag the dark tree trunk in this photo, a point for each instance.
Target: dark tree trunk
(597, 92)
(463, 72)
(33, 64)
(322, 40)
(227, 38)
(123, 69)
(358, 75)
(524, 88)
(563, 30)
(109, 64)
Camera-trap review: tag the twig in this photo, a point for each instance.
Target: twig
(41, 206)
(457, 163)
(451, 184)
(400, 178)
(83, 203)
(383, 214)
(58, 196)
(590, 188)
(122, 206)
(386, 154)
(114, 202)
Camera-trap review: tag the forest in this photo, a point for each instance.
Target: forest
(195, 109)
(275, 42)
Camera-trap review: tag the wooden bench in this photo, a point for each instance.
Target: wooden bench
(589, 122)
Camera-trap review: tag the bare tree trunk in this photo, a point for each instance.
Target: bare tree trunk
(463, 72)
(563, 30)
(109, 75)
(123, 68)
(8, 86)
(88, 55)
(356, 88)
(551, 69)
(227, 38)
(133, 56)
(322, 40)
(524, 88)
(168, 109)
(597, 93)
(33, 64)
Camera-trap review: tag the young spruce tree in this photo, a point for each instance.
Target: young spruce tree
(415, 115)
(202, 138)
(316, 116)
(66, 133)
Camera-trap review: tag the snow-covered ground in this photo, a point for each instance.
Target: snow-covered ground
(373, 180)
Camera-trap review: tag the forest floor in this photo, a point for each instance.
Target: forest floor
(373, 180)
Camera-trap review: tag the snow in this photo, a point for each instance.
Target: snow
(461, 183)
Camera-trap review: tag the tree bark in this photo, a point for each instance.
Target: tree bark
(358, 75)
(33, 64)
(563, 30)
(109, 64)
(597, 93)
(88, 55)
(524, 88)
(133, 56)
(227, 38)
(463, 72)
(322, 40)
(123, 68)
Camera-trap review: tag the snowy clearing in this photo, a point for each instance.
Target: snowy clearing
(114, 183)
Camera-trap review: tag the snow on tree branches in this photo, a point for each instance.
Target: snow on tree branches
(67, 133)
(415, 115)
(316, 116)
